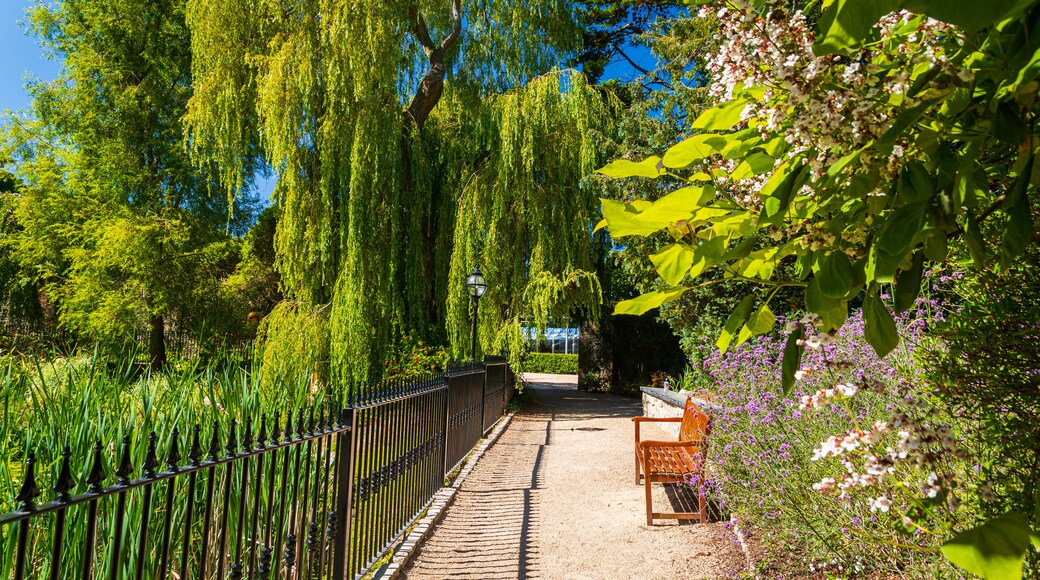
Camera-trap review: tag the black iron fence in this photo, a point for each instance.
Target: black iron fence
(322, 493)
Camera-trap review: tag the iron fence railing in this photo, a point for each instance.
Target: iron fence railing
(323, 493)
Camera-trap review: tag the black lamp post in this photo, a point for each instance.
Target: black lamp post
(476, 285)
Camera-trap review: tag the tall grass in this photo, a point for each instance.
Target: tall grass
(77, 402)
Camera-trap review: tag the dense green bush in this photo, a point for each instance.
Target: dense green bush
(544, 362)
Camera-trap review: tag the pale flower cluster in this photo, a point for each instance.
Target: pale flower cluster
(827, 105)
(870, 455)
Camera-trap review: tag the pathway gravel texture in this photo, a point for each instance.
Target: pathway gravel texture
(555, 497)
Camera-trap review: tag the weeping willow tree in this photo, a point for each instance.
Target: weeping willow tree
(409, 141)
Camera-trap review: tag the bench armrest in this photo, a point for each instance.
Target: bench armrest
(651, 443)
(657, 419)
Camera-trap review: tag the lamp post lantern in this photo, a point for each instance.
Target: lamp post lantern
(476, 285)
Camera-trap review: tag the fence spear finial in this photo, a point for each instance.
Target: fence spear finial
(65, 482)
(97, 470)
(174, 456)
(126, 469)
(27, 495)
(150, 460)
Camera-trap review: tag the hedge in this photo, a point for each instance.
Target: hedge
(545, 362)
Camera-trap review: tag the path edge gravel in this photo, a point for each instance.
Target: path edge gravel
(439, 505)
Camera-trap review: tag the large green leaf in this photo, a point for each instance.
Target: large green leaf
(879, 328)
(673, 262)
(846, 23)
(624, 168)
(1018, 231)
(833, 312)
(778, 192)
(908, 284)
(836, 275)
(970, 15)
(721, 118)
(900, 229)
(641, 218)
(678, 205)
(692, 150)
(976, 244)
(647, 302)
(995, 550)
(792, 360)
(752, 165)
(736, 321)
(761, 321)
(915, 183)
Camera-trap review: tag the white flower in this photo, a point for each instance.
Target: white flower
(881, 503)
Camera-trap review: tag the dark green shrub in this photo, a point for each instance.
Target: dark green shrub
(544, 362)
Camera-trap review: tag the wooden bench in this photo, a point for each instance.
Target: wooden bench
(674, 461)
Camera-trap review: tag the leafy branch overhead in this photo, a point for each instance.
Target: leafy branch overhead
(854, 155)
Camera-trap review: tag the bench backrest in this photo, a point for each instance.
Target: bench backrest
(695, 424)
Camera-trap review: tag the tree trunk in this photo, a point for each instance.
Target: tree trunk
(157, 344)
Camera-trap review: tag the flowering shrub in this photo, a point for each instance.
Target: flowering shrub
(413, 358)
(848, 469)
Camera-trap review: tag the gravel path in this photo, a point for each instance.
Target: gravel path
(555, 498)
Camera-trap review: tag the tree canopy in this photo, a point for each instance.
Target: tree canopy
(115, 222)
(412, 142)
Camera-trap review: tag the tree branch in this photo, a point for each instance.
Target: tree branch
(456, 26)
(422, 32)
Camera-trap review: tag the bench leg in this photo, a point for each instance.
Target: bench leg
(702, 504)
(649, 496)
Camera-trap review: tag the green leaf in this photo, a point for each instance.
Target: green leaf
(908, 284)
(678, 205)
(879, 328)
(833, 312)
(792, 360)
(994, 550)
(836, 275)
(760, 322)
(900, 229)
(736, 320)
(1018, 231)
(624, 168)
(904, 121)
(752, 165)
(846, 23)
(673, 262)
(842, 163)
(971, 15)
(721, 118)
(641, 218)
(915, 183)
(692, 150)
(976, 245)
(778, 192)
(647, 302)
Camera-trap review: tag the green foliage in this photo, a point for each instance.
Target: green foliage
(995, 550)
(381, 208)
(982, 363)
(903, 229)
(114, 223)
(546, 362)
(294, 344)
(524, 216)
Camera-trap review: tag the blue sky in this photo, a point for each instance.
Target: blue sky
(19, 56)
